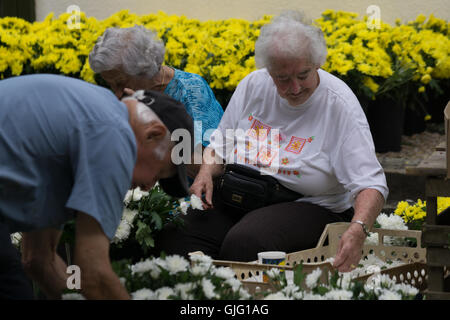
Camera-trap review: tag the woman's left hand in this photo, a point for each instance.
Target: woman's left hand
(350, 249)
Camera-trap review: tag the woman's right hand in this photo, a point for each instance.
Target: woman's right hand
(203, 184)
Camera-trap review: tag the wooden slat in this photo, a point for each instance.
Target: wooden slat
(434, 165)
(435, 235)
(438, 257)
(435, 187)
(441, 146)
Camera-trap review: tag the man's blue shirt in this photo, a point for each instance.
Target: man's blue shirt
(65, 145)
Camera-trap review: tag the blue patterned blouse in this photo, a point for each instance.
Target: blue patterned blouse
(201, 104)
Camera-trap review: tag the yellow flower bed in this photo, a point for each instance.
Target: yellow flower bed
(416, 213)
(222, 51)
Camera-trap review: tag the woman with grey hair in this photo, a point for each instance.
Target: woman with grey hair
(305, 128)
(132, 58)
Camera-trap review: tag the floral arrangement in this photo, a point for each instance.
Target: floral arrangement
(374, 62)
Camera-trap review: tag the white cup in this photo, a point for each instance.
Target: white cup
(271, 257)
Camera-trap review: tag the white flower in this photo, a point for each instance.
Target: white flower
(291, 290)
(405, 289)
(143, 294)
(312, 278)
(201, 259)
(243, 294)
(148, 265)
(184, 290)
(16, 238)
(393, 222)
(164, 293)
(124, 228)
(196, 202)
(273, 273)
(277, 296)
(224, 273)
(72, 296)
(372, 239)
(184, 205)
(199, 270)
(373, 269)
(389, 295)
(208, 288)
(339, 294)
(176, 263)
(234, 283)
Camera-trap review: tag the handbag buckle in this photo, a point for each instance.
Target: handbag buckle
(236, 198)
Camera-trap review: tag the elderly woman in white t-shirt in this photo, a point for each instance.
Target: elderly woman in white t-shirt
(316, 142)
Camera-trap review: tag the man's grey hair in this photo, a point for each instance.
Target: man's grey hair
(137, 51)
(292, 35)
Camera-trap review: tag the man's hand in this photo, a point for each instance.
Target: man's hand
(42, 263)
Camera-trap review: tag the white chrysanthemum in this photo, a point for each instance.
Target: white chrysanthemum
(16, 238)
(378, 281)
(176, 263)
(196, 202)
(373, 269)
(201, 259)
(129, 215)
(312, 278)
(164, 293)
(184, 290)
(234, 283)
(143, 294)
(389, 295)
(393, 222)
(199, 269)
(277, 296)
(208, 288)
(184, 205)
(405, 289)
(138, 194)
(372, 239)
(147, 265)
(339, 294)
(224, 273)
(122, 232)
(244, 294)
(273, 273)
(291, 290)
(72, 296)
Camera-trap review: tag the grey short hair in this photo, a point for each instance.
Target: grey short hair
(135, 51)
(293, 35)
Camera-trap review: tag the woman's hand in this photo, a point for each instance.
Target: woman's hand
(203, 184)
(350, 249)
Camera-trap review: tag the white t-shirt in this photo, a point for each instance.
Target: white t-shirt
(322, 148)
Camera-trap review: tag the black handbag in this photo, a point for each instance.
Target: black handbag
(247, 189)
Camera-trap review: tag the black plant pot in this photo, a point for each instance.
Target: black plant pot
(414, 122)
(386, 117)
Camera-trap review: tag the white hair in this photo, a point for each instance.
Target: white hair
(135, 51)
(292, 35)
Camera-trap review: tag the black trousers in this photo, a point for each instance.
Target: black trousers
(226, 234)
(14, 284)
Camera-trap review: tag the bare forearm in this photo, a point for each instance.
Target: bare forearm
(212, 164)
(368, 205)
(103, 285)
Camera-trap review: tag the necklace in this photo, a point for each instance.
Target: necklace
(164, 75)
